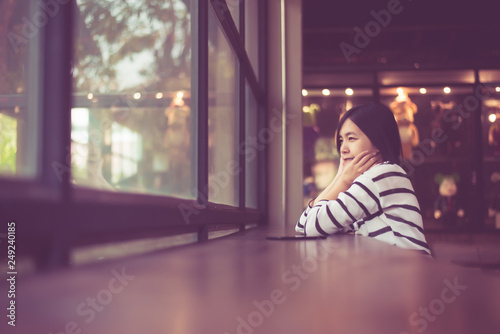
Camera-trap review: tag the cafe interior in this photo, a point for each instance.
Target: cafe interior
(155, 157)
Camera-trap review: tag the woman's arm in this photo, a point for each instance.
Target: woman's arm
(346, 174)
(335, 216)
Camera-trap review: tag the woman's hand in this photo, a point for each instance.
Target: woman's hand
(347, 172)
(360, 164)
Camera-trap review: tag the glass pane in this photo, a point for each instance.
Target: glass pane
(223, 113)
(131, 122)
(19, 64)
(253, 145)
(252, 33)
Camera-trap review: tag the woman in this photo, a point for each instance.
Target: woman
(371, 194)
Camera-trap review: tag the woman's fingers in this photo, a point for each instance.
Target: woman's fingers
(360, 164)
(365, 161)
(365, 158)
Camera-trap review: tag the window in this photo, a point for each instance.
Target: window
(223, 120)
(19, 88)
(132, 83)
(145, 109)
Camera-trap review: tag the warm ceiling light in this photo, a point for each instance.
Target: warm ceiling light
(137, 96)
(492, 118)
(180, 95)
(400, 91)
(497, 89)
(326, 92)
(90, 96)
(423, 91)
(159, 95)
(447, 90)
(304, 92)
(349, 91)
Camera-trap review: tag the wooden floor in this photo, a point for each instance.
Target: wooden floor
(244, 283)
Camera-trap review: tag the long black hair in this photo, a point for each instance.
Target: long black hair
(378, 123)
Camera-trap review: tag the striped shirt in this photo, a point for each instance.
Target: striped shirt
(380, 203)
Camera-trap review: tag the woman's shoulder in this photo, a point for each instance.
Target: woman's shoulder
(384, 167)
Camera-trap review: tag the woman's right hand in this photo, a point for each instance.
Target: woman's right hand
(360, 164)
(347, 172)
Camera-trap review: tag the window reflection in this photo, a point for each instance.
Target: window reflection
(131, 122)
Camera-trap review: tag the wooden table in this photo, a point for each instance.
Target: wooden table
(247, 284)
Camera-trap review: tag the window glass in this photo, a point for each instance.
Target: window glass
(131, 120)
(223, 158)
(19, 64)
(253, 145)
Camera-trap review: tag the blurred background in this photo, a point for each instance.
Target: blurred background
(435, 64)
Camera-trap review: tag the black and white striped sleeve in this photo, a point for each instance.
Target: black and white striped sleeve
(299, 227)
(330, 217)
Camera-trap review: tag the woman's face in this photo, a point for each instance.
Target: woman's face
(353, 141)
